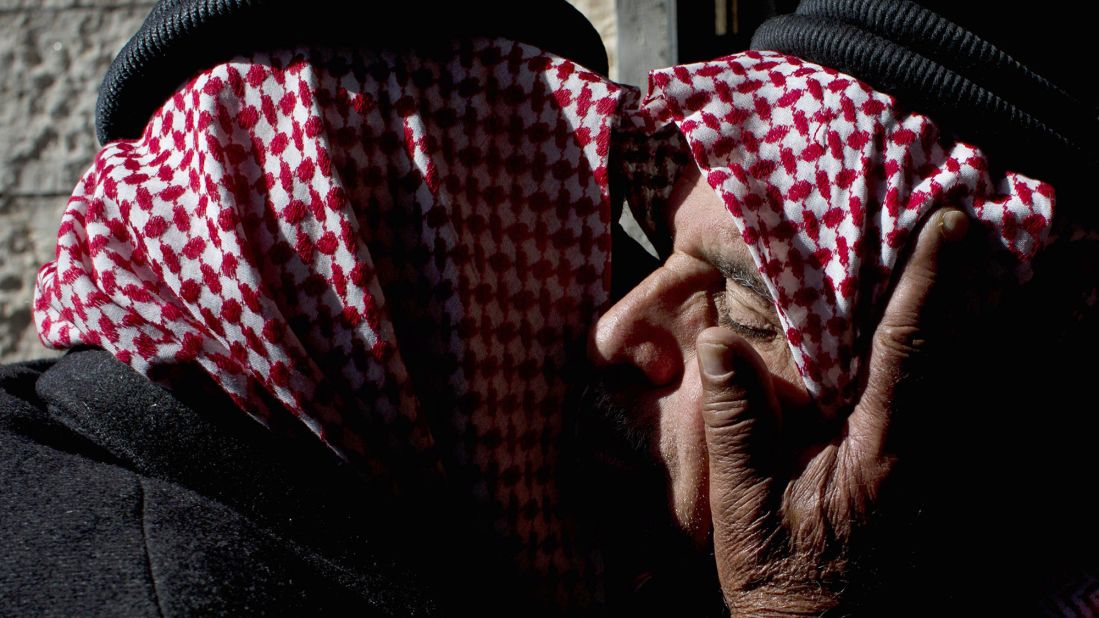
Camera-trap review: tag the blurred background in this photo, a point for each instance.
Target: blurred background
(53, 54)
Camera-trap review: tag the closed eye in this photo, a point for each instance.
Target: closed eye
(742, 326)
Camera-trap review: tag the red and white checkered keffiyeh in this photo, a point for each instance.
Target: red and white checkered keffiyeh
(827, 178)
(396, 250)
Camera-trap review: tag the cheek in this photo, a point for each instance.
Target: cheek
(683, 450)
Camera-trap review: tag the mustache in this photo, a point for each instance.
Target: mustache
(608, 416)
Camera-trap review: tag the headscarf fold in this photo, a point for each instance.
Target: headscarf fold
(827, 179)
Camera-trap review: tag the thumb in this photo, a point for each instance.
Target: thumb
(740, 412)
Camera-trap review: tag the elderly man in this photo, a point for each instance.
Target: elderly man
(694, 369)
(706, 406)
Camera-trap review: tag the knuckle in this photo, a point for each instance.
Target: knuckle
(899, 340)
(725, 411)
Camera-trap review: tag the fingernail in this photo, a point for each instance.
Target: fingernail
(715, 359)
(954, 224)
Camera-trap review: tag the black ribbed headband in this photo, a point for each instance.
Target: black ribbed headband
(1023, 121)
(181, 37)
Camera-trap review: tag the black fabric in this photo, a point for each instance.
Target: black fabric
(120, 499)
(181, 37)
(1051, 38)
(1023, 119)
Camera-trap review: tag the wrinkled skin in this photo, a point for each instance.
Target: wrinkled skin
(711, 392)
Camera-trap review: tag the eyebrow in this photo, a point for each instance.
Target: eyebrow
(745, 275)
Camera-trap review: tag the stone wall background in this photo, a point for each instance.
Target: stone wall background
(53, 54)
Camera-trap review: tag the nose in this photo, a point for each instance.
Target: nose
(646, 329)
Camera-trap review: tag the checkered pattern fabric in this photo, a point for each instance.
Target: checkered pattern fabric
(827, 179)
(376, 244)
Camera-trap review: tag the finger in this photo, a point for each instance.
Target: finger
(911, 319)
(740, 412)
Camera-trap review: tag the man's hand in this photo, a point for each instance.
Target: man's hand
(784, 517)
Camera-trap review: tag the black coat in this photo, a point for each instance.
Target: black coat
(120, 499)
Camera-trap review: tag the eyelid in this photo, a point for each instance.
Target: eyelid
(745, 330)
(762, 303)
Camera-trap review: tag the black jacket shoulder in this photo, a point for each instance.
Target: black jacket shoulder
(118, 499)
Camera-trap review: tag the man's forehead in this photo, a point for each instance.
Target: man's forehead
(701, 225)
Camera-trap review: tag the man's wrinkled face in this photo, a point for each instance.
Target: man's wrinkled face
(644, 348)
